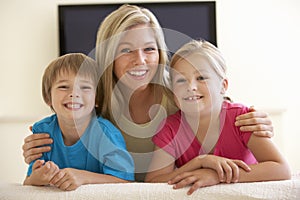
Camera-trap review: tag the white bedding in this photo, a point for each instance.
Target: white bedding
(289, 190)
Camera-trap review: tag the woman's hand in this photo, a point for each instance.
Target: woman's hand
(197, 178)
(227, 169)
(257, 122)
(33, 146)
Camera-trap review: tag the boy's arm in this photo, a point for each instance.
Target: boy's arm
(41, 174)
(70, 178)
(271, 164)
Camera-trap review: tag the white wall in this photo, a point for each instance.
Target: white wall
(259, 39)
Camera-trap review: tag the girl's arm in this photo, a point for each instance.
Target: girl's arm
(70, 178)
(271, 164)
(162, 167)
(257, 122)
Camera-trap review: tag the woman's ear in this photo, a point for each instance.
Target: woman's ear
(224, 86)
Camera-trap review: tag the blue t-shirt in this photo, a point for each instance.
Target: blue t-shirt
(101, 149)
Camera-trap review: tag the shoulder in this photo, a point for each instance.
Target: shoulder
(169, 125)
(234, 109)
(45, 124)
(109, 129)
(173, 119)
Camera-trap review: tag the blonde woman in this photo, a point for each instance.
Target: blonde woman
(132, 54)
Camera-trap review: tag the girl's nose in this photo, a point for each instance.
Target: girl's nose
(192, 86)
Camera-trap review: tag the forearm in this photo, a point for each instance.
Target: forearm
(30, 180)
(266, 171)
(169, 173)
(96, 178)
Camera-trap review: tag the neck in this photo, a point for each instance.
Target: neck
(140, 104)
(206, 127)
(73, 129)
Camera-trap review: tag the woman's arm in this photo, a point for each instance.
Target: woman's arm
(257, 122)
(33, 146)
(271, 164)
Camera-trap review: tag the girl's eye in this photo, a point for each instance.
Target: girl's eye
(180, 80)
(201, 78)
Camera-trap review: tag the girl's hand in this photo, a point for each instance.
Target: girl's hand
(33, 146)
(227, 169)
(197, 178)
(257, 122)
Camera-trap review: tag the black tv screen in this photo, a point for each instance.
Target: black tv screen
(181, 21)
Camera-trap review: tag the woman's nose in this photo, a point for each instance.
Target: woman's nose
(139, 57)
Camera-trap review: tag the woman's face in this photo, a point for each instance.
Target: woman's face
(137, 57)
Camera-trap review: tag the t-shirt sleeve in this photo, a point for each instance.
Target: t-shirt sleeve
(244, 135)
(117, 161)
(164, 138)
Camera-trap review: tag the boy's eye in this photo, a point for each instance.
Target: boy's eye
(63, 87)
(86, 87)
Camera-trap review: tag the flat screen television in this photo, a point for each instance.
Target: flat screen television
(181, 21)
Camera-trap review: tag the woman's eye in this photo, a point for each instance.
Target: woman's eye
(125, 50)
(150, 49)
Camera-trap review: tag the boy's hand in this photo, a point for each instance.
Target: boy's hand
(68, 179)
(42, 174)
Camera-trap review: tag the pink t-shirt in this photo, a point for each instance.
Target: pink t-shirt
(176, 137)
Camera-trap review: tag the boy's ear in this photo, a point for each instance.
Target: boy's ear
(224, 86)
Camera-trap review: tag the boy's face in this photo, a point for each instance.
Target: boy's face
(73, 97)
(196, 86)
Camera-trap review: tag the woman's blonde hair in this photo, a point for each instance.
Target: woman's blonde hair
(76, 63)
(108, 36)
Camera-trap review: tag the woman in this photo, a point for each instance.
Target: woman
(132, 54)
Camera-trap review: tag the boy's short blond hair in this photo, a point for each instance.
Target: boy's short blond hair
(76, 63)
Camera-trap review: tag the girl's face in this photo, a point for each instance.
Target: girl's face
(137, 57)
(196, 86)
(73, 97)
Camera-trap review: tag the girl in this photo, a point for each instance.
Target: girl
(199, 144)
